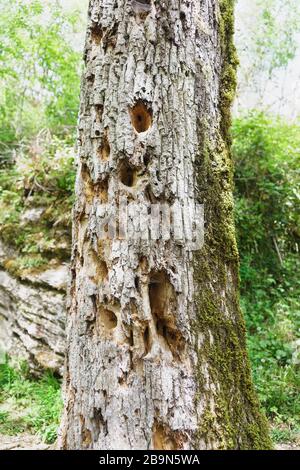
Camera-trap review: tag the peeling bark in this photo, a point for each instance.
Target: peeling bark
(156, 355)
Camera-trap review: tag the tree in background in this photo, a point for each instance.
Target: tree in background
(39, 72)
(156, 354)
(39, 95)
(267, 39)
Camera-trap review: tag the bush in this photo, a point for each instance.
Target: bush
(267, 155)
(39, 72)
(42, 178)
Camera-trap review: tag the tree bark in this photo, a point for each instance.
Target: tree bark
(156, 353)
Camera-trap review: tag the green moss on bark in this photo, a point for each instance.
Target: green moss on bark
(233, 419)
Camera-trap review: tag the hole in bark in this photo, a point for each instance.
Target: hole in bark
(101, 191)
(104, 149)
(127, 174)
(163, 308)
(108, 319)
(98, 422)
(91, 78)
(102, 271)
(182, 16)
(94, 303)
(162, 439)
(146, 159)
(122, 380)
(96, 34)
(160, 293)
(99, 112)
(141, 117)
(137, 282)
(131, 341)
(161, 328)
(146, 337)
(90, 189)
(86, 438)
(143, 262)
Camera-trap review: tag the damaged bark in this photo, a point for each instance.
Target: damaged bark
(156, 355)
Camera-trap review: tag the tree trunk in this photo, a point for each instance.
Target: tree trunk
(156, 354)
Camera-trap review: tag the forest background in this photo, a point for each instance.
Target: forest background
(41, 46)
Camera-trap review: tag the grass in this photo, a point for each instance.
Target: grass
(273, 323)
(29, 404)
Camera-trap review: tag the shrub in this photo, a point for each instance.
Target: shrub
(267, 156)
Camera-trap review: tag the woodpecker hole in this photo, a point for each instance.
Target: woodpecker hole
(162, 438)
(127, 175)
(108, 319)
(146, 337)
(99, 112)
(96, 34)
(141, 117)
(131, 340)
(101, 190)
(102, 271)
(163, 308)
(146, 159)
(104, 149)
(160, 294)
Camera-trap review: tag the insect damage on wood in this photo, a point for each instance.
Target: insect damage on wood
(147, 339)
(107, 320)
(162, 300)
(165, 439)
(96, 34)
(104, 149)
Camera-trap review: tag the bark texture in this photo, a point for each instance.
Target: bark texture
(156, 355)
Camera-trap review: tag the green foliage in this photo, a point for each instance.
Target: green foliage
(267, 154)
(267, 42)
(275, 41)
(42, 179)
(39, 71)
(34, 404)
(267, 182)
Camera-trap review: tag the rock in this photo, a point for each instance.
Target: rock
(32, 318)
(56, 277)
(5, 252)
(32, 215)
(287, 446)
(296, 352)
(23, 441)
